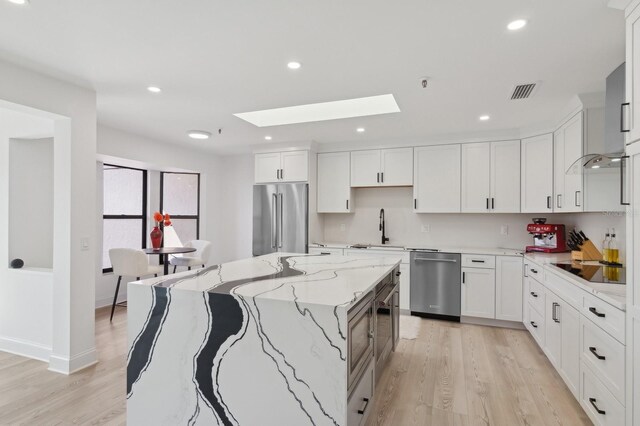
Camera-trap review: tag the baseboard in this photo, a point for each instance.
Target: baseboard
(108, 301)
(64, 365)
(25, 348)
(492, 322)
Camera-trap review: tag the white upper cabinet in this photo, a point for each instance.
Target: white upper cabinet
(505, 177)
(491, 177)
(334, 183)
(386, 167)
(436, 179)
(632, 86)
(476, 177)
(567, 148)
(288, 166)
(536, 182)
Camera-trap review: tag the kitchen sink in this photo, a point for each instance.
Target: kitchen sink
(376, 246)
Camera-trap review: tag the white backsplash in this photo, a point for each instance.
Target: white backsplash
(404, 227)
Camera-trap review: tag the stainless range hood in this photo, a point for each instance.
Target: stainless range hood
(613, 147)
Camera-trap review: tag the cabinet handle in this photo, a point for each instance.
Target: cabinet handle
(277, 174)
(464, 276)
(378, 177)
(548, 201)
(535, 271)
(281, 174)
(596, 313)
(558, 201)
(623, 168)
(596, 354)
(554, 312)
(347, 204)
(534, 324)
(487, 204)
(477, 261)
(493, 203)
(366, 403)
(577, 202)
(415, 203)
(622, 108)
(381, 177)
(593, 403)
(526, 268)
(534, 294)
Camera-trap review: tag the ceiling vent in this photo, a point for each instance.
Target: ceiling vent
(523, 91)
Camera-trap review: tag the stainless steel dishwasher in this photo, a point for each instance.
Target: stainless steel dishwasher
(435, 284)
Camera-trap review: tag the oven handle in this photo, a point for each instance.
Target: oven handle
(393, 291)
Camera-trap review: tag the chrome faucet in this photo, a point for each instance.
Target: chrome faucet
(384, 239)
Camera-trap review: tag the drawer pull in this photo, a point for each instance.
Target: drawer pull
(477, 261)
(593, 403)
(535, 271)
(596, 313)
(596, 354)
(534, 324)
(366, 403)
(534, 294)
(324, 252)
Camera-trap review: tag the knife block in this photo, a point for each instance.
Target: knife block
(587, 252)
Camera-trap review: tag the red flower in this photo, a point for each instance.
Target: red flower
(157, 216)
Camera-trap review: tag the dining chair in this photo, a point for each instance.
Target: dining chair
(128, 262)
(196, 258)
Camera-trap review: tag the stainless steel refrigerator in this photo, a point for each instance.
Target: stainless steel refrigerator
(280, 218)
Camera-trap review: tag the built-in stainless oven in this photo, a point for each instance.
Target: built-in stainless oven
(386, 318)
(360, 339)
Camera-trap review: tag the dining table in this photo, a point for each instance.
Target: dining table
(165, 252)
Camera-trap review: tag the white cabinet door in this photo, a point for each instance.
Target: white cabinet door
(558, 170)
(405, 287)
(509, 288)
(476, 178)
(553, 330)
(569, 318)
(537, 174)
(334, 183)
(632, 85)
(632, 170)
(397, 167)
(295, 166)
(573, 148)
(436, 182)
(478, 292)
(365, 168)
(267, 167)
(505, 177)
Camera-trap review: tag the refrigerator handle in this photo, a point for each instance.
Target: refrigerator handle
(274, 222)
(280, 222)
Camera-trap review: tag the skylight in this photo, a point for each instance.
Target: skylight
(359, 107)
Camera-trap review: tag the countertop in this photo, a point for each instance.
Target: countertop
(492, 251)
(308, 279)
(613, 294)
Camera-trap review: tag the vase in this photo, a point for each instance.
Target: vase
(156, 237)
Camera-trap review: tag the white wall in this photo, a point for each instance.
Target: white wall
(73, 110)
(31, 201)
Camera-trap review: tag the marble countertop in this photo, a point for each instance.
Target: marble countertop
(614, 294)
(301, 278)
(492, 251)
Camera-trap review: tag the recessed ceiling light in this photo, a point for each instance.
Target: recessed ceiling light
(615, 160)
(595, 167)
(293, 65)
(154, 89)
(360, 130)
(484, 117)
(19, 1)
(517, 24)
(268, 138)
(198, 134)
(359, 107)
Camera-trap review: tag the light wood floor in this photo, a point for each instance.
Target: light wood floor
(459, 374)
(451, 374)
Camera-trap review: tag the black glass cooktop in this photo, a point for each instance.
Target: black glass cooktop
(596, 273)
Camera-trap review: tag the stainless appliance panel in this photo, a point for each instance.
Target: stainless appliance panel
(360, 339)
(293, 220)
(435, 283)
(264, 219)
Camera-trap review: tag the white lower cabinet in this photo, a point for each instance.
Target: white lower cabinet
(325, 250)
(599, 404)
(478, 292)
(509, 288)
(361, 401)
(405, 287)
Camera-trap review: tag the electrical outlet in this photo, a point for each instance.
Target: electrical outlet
(504, 230)
(84, 244)
(426, 228)
(343, 227)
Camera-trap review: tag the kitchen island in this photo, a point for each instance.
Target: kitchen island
(261, 341)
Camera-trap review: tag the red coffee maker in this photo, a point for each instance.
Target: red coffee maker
(547, 238)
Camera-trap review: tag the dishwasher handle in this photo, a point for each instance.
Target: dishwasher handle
(426, 259)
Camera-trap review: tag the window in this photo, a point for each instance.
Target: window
(180, 198)
(125, 203)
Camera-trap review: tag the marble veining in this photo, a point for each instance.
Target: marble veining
(258, 341)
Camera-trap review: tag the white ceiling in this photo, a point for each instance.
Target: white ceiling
(214, 58)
